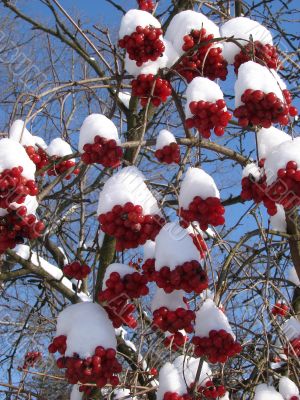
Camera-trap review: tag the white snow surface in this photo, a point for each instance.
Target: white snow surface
(253, 170)
(122, 394)
(265, 392)
(170, 380)
(184, 22)
(174, 246)
(291, 328)
(257, 77)
(209, 317)
(202, 89)
(241, 28)
(75, 394)
(134, 18)
(278, 221)
(127, 185)
(287, 388)
(196, 182)
(21, 134)
(122, 269)
(125, 98)
(13, 154)
(59, 148)
(188, 366)
(97, 125)
(268, 139)
(293, 277)
(86, 326)
(172, 300)
(149, 250)
(280, 156)
(164, 138)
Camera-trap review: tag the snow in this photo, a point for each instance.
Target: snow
(21, 134)
(170, 380)
(122, 394)
(127, 185)
(184, 22)
(196, 183)
(188, 366)
(134, 18)
(253, 170)
(174, 246)
(125, 98)
(291, 328)
(265, 392)
(202, 89)
(209, 317)
(241, 28)
(280, 156)
(122, 269)
(59, 148)
(75, 394)
(268, 139)
(164, 138)
(225, 397)
(278, 221)
(13, 154)
(149, 250)
(86, 326)
(257, 77)
(293, 277)
(287, 388)
(30, 203)
(97, 125)
(172, 300)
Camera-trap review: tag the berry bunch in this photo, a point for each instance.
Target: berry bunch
(31, 358)
(281, 309)
(149, 86)
(218, 347)
(176, 396)
(59, 344)
(102, 151)
(208, 211)
(264, 54)
(204, 60)
(263, 109)
(169, 154)
(144, 44)
(76, 270)
(199, 243)
(132, 285)
(149, 269)
(60, 167)
(207, 116)
(189, 277)
(39, 157)
(175, 341)
(211, 391)
(119, 310)
(293, 348)
(173, 321)
(130, 226)
(146, 5)
(14, 187)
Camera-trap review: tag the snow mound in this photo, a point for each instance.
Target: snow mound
(202, 89)
(75, 394)
(184, 22)
(257, 77)
(174, 246)
(293, 277)
(149, 250)
(86, 326)
(287, 388)
(122, 394)
(134, 18)
(241, 29)
(122, 269)
(209, 317)
(268, 139)
(188, 366)
(172, 300)
(196, 183)
(278, 221)
(265, 392)
(291, 328)
(21, 134)
(125, 98)
(252, 170)
(13, 154)
(170, 380)
(97, 125)
(127, 185)
(59, 148)
(164, 138)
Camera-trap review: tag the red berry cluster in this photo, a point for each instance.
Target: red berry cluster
(208, 211)
(169, 154)
(146, 5)
(39, 157)
(76, 270)
(293, 348)
(176, 396)
(218, 347)
(263, 109)
(211, 391)
(16, 225)
(119, 310)
(281, 309)
(14, 187)
(60, 167)
(199, 243)
(264, 54)
(144, 44)
(31, 358)
(149, 269)
(129, 226)
(294, 398)
(176, 341)
(204, 60)
(59, 344)
(102, 151)
(132, 285)
(173, 321)
(207, 116)
(189, 277)
(149, 86)
(99, 369)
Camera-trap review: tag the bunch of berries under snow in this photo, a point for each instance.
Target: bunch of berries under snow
(148, 86)
(199, 199)
(76, 270)
(261, 97)
(177, 261)
(148, 266)
(254, 43)
(122, 283)
(206, 108)
(57, 150)
(85, 339)
(214, 337)
(192, 35)
(167, 150)
(128, 210)
(288, 389)
(99, 142)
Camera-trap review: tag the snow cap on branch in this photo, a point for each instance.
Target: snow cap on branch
(266, 392)
(21, 134)
(287, 388)
(59, 148)
(121, 269)
(134, 18)
(268, 139)
(164, 138)
(172, 300)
